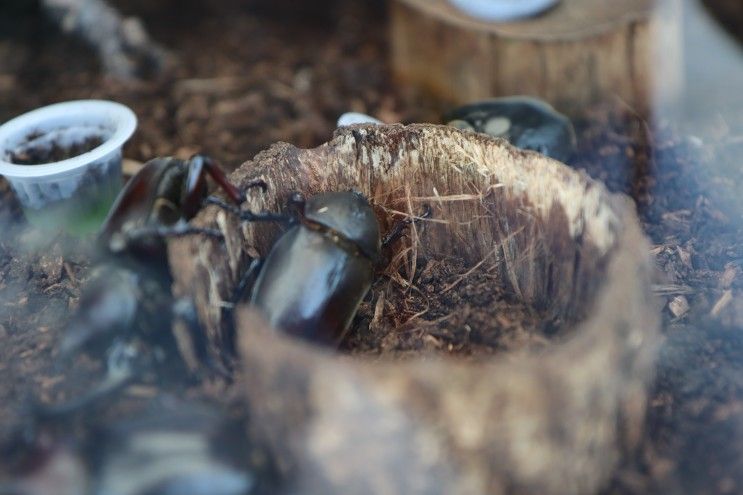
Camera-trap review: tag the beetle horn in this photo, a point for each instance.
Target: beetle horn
(216, 173)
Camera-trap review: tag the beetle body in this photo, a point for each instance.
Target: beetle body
(128, 294)
(318, 272)
(166, 192)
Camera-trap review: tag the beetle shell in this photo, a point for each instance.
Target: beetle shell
(318, 272)
(152, 197)
(310, 286)
(350, 215)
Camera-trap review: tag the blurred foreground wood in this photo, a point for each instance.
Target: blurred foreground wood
(576, 54)
(550, 422)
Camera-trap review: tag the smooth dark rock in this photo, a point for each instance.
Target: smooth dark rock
(527, 123)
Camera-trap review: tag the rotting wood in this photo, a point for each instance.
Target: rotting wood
(579, 53)
(550, 422)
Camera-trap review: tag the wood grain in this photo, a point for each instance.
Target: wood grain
(551, 422)
(577, 54)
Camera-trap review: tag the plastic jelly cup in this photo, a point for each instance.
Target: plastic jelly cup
(353, 118)
(73, 194)
(503, 10)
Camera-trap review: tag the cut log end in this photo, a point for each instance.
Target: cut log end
(577, 54)
(547, 423)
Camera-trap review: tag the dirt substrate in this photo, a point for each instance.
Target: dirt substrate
(245, 81)
(38, 155)
(448, 308)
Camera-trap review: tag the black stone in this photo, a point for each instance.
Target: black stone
(527, 123)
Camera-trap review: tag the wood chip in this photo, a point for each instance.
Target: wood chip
(721, 303)
(130, 167)
(378, 312)
(678, 306)
(685, 256)
(728, 276)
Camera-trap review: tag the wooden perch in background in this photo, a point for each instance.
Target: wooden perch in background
(576, 54)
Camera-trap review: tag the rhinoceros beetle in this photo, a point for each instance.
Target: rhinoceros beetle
(157, 202)
(127, 300)
(310, 284)
(319, 270)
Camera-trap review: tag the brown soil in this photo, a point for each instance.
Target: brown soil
(249, 78)
(450, 308)
(39, 155)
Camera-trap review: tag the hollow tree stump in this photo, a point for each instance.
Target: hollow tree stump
(550, 422)
(578, 53)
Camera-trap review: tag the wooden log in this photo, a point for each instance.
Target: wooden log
(549, 422)
(579, 53)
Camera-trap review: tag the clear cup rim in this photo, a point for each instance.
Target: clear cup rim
(125, 122)
(489, 10)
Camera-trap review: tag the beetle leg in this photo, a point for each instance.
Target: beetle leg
(247, 215)
(213, 200)
(265, 216)
(246, 280)
(108, 307)
(259, 183)
(191, 341)
(211, 167)
(398, 229)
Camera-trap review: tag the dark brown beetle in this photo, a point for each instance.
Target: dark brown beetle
(317, 273)
(319, 270)
(128, 295)
(157, 202)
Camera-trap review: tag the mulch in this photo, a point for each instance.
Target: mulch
(248, 78)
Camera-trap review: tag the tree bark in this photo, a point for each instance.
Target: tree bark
(579, 53)
(550, 422)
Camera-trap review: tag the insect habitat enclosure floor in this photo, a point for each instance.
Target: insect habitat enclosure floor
(231, 99)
